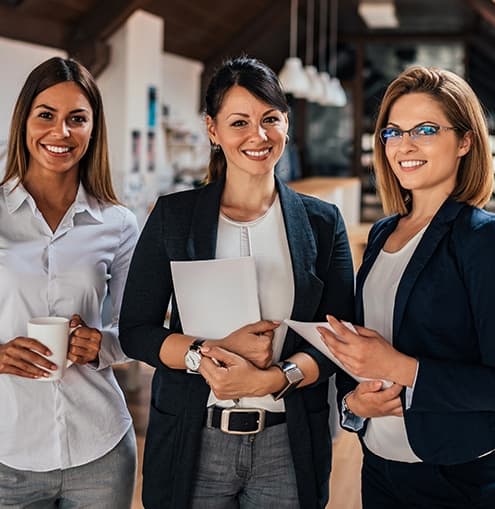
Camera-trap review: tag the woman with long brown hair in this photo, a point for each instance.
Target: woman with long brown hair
(65, 243)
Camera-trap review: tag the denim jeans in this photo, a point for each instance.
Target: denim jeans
(245, 471)
(106, 483)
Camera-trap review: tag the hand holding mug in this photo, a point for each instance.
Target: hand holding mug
(85, 342)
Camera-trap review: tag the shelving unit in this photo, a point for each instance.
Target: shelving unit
(187, 154)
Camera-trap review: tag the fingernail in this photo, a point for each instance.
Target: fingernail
(278, 322)
(205, 348)
(48, 352)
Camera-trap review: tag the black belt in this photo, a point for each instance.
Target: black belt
(242, 421)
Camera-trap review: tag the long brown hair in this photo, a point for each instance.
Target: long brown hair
(94, 167)
(463, 109)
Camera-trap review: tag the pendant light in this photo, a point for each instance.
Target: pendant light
(292, 76)
(316, 89)
(324, 76)
(337, 93)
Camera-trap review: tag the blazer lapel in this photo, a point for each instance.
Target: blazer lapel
(202, 240)
(437, 229)
(302, 246)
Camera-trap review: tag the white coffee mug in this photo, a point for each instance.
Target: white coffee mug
(54, 333)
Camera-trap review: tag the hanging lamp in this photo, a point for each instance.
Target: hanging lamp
(316, 89)
(292, 76)
(337, 94)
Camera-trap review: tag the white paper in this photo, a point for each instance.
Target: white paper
(216, 297)
(310, 333)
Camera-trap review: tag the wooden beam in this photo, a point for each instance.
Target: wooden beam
(20, 27)
(413, 37)
(485, 9)
(272, 17)
(87, 42)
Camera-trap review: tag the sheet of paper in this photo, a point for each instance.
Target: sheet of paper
(310, 333)
(216, 297)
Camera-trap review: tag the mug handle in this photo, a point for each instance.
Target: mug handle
(69, 363)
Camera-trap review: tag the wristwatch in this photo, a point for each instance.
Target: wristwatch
(193, 356)
(293, 375)
(345, 408)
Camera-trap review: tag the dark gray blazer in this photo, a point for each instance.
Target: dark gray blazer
(183, 226)
(444, 316)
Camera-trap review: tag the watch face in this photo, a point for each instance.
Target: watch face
(294, 375)
(193, 360)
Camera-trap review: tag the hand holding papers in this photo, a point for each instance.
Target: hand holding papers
(216, 297)
(308, 330)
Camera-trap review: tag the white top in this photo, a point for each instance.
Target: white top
(70, 422)
(387, 436)
(265, 239)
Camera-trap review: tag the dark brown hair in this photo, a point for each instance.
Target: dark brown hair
(256, 78)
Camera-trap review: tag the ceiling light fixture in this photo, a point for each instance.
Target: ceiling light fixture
(337, 95)
(292, 76)
(378, 13)
(316, 90)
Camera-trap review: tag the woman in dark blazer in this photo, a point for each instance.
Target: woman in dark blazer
(425, 295)
(193, 454)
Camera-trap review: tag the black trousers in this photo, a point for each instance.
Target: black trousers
(397, 485)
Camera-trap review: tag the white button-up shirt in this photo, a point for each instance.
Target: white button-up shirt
(51, 425)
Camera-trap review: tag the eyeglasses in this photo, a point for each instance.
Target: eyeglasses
(422, 134)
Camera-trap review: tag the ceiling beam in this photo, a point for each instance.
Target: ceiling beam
(485, 9)
(87, 42)
(20, 27)
(275, 15)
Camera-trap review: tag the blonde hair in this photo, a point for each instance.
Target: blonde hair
(94, 167)
(463, 109)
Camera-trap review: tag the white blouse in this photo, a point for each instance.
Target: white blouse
(386, 436)
(70, 422)
(264, 238)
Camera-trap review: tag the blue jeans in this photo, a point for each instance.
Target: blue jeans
(245, 471)
(106, 483)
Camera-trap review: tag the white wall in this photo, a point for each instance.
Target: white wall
(135, 67)
(181, 78)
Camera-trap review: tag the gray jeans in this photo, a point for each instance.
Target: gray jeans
(106, 483)
(245, 471)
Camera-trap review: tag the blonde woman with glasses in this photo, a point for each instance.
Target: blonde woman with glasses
(424, 296)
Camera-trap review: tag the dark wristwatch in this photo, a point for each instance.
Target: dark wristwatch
(293, 375)
(193, 356)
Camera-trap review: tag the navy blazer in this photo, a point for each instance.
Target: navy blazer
(444, 317)
(183, 226)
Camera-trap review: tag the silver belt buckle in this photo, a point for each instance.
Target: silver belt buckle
(225, 420)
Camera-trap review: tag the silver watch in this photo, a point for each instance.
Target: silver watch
(293, 375)
(193, 356)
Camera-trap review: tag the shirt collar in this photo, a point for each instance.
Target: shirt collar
(87, 203)
(15, 195)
